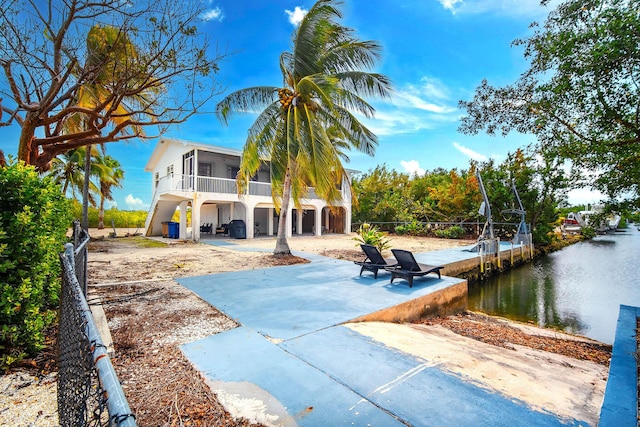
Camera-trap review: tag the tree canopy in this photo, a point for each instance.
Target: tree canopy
(305, 127)
(392, 199)
(580, 95)
(45, 71)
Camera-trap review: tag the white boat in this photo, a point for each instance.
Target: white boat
(573, 223)
(610, 223)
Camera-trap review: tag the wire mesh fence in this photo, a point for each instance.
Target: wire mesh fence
(89, 393)
(505, 230)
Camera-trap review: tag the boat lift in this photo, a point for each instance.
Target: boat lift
(523, 235)
(487, 244)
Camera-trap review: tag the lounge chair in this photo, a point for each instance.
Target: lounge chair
(374, 260)
(408, 267)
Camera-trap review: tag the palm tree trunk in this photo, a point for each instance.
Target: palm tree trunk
(282, 247)
(85, 188)
(101, 213)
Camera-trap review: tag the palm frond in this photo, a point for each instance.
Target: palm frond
(249, 100)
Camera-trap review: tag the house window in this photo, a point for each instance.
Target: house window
(233, 172)
(205, 169)
(170, 170)
(157, 178)
(187, 161)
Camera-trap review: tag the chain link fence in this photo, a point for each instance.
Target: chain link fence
(505, 230)
(89, 393)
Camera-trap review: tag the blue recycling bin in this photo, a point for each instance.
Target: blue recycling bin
(238, 229)
(173, 230)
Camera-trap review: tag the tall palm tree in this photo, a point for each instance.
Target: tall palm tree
(324, 80)
(111, 176)
(68, 171)
(110, 51)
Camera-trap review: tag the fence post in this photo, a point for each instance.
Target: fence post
(88, 387)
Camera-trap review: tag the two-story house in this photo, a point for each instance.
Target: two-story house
(202, 177)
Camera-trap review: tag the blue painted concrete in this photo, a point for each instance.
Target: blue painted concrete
(411, 389)
(324, 374)
(312, 398)
(620, 406)
(289, 301)
(230, 245)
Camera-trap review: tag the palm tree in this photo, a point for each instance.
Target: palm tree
(107, 45)
(68, 171)
(323, 82)
(111, 175)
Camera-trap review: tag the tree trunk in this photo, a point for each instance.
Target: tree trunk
(25, 144)
(101, 214)
(85, 188)
(282, 247)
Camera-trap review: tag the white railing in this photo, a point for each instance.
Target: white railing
(216, 185)
(205, 184)
(259, 189)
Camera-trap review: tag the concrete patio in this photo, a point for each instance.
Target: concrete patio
(293, 362)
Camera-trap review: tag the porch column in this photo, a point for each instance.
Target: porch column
(299, 221)
(270, 222)
(231, 209)
(250, 220)
(196, 208)
(183, 220)
(318, 221)
(326, 219)
(347, 219)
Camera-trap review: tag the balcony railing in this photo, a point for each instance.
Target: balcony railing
(205, 184)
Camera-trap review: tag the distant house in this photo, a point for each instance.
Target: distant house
(200, 176)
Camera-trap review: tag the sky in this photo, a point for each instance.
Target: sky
(436, 52)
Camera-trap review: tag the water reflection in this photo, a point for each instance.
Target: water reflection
(526, 294)
(578, 289)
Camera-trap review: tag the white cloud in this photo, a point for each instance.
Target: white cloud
(133, 203)
(296, 16)
(214, 14)
(470, 153)
(412, 108)
(530, 8)
(412, 167)
(451, 4)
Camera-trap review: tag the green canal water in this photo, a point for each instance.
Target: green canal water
(578, 289)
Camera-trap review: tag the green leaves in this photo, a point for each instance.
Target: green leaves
(370, 235)
(34, 217)
(305, 127)
(580, 94)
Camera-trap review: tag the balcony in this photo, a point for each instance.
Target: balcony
(205, 184)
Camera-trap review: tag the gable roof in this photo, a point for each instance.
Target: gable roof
(164, 143)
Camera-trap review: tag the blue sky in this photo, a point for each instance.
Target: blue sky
(435, 51)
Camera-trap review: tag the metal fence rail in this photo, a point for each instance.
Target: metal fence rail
(89, 393)
(504, 230)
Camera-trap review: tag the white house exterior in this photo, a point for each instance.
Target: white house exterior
(202, 176)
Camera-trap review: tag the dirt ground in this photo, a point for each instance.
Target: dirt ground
(150, 315)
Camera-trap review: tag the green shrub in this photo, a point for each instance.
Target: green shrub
(413, 228)
(588, 232)
(453, 232)
(119, 218)
(34, 218)
(370, 235)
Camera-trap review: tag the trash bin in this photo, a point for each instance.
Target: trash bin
(238, 229)
(165, 229)
(174, 230)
